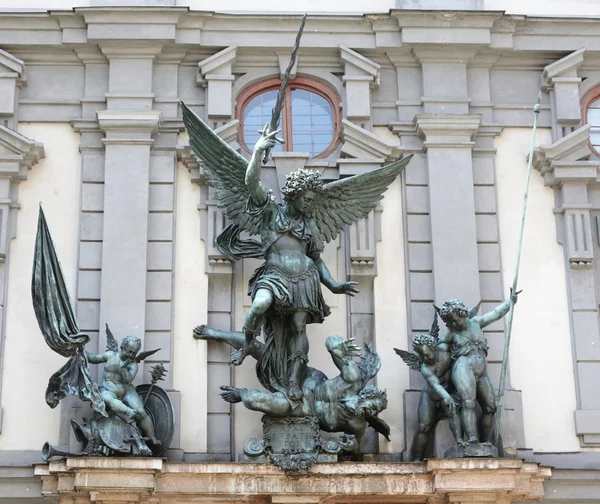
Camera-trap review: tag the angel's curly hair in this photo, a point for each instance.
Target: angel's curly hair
(424, 339)
(453, 306)
(130, 341)
(300, 181)
(373, 392)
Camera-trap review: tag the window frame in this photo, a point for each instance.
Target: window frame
(311, 85)
(590, 97)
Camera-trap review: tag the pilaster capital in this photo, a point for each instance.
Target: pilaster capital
(128, 126)
(563, 68)
(356, 66)
(447, 130)
(220, 63)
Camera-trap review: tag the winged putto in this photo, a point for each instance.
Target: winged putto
(122, 413)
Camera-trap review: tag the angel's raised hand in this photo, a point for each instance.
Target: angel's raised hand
(267, 140)
(347, 288)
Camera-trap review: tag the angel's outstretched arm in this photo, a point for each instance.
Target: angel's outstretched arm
(98, 358)
(258, 192)
(328, 281)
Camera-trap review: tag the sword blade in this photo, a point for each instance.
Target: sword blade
(276, 112)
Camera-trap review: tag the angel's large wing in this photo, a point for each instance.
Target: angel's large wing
(369, 364)
(225, 170)
(111, 342)
(347, 200)
(413, 361)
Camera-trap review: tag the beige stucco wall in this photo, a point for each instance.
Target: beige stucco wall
(190, 305)
(541, 363)
(28, 362)
(390, 310)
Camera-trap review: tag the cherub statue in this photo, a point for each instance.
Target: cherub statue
(341, 404)
(117, 389)
(434, 362)
(468, 346)
(117, 403)
(286, 289)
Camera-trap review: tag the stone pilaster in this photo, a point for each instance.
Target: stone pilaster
(564, 167)
(220, 273)
(448, 142)
(126, 223)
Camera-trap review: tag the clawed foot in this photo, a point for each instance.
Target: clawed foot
(155, 441)
(461, 442)
(294, 392)
(473, 440)
(487, 443)
(231, 394)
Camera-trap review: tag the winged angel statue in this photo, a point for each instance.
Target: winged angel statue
(286, 289)
(122, 420)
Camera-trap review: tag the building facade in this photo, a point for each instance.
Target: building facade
(91, 127)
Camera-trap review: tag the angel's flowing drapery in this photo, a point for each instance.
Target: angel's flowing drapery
(58, 325)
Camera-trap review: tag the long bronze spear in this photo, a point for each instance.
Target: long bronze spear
(502, 385)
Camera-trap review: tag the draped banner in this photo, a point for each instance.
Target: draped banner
(58, 324)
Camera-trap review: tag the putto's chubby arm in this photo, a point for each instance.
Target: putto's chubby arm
(256, 188)
(341, 351)
(434, 382)
(98, 358)
(496, 314)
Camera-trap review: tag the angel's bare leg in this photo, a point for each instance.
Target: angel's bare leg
(298, 354)
(261, 302)
(271, 403)
(234, 338)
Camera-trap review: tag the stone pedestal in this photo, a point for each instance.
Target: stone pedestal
(86, 480)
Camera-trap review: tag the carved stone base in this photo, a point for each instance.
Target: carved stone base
(472, 450)
(292, 444)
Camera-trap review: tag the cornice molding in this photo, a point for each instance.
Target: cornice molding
(20, 154)
(360, 143)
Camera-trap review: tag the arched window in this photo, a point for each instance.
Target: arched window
(591, 115)
(309, 119)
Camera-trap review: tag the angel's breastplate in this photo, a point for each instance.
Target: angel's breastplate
(280, 225)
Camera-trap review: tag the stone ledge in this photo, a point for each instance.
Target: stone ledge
(93, 479)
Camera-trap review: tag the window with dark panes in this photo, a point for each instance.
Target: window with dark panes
(309, 119)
